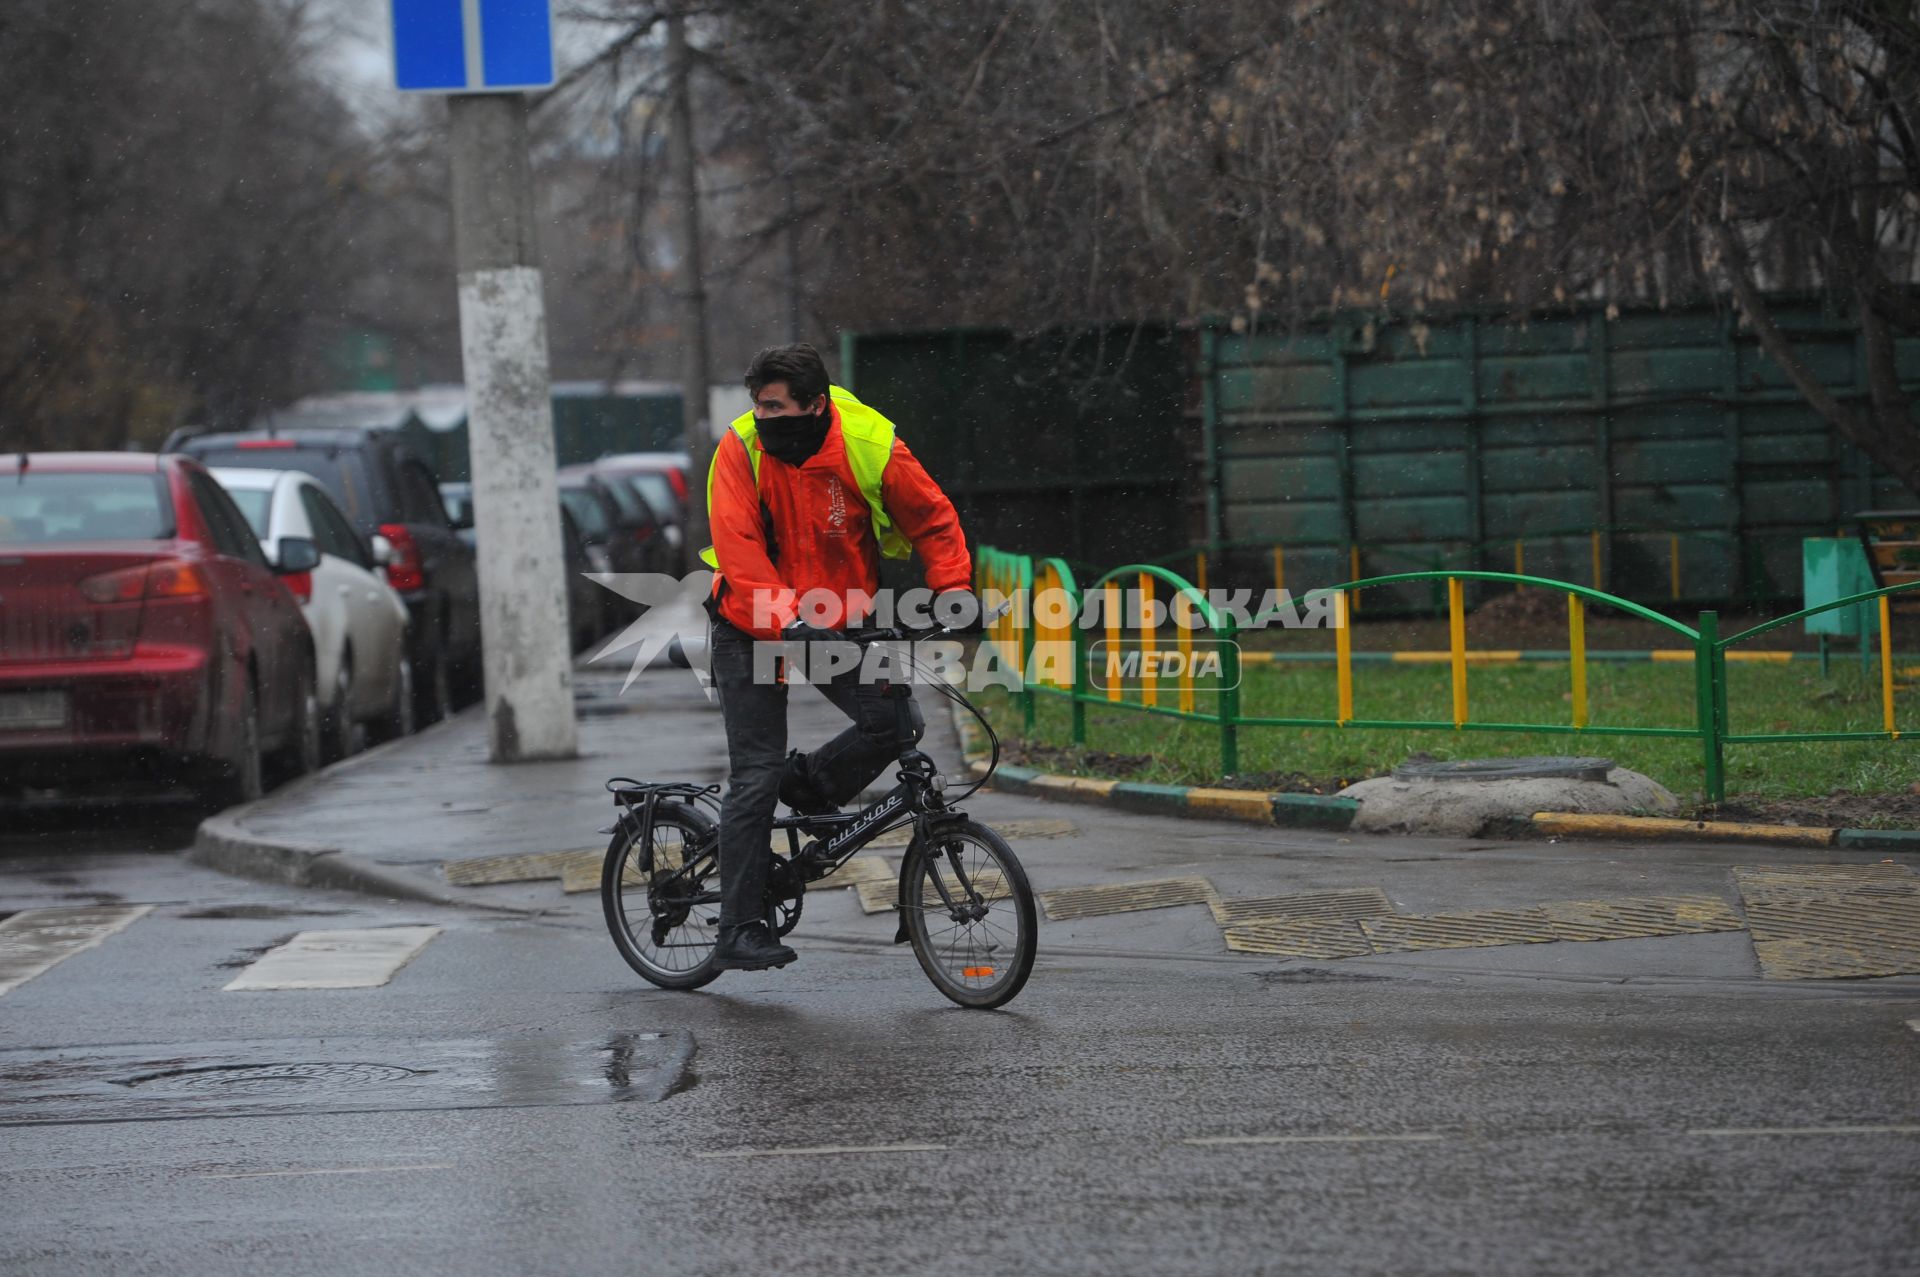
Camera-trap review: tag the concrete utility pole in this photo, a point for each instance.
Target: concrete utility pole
(694, 373)
(516, 500)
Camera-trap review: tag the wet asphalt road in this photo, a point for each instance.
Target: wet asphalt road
(1125, 1115)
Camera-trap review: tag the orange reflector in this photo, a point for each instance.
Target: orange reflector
(976, 972)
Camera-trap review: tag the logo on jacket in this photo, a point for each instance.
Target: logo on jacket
(836, 504)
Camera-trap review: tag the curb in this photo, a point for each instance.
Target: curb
(1295, 811)
(1567, 824)
(222, 843)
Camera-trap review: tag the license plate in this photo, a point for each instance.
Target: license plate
(22, 710)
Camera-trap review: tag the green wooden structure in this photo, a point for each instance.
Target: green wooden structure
(1657, 455)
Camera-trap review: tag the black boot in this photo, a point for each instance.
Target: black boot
(750, 947)
(797, 790)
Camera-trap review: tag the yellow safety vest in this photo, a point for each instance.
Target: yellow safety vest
(869, 441)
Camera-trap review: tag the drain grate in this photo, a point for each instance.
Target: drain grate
(1635, 919)
(1478, 930)
(1129, 897)
(1323, 938)
(1365, 902)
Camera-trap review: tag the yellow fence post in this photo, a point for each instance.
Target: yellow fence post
(1457, 640)
(1114, 663)
(1596, 560)
(1353, 573)
(1182, 617)
(1673, 563)
(1886, 666)
(1343, 656)
(1279, 569)
(1149, 643)
(1577, 656)
(1200, 571)
(1519, 563)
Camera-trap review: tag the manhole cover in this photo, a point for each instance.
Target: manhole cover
(1548, 767)
(236, 1078)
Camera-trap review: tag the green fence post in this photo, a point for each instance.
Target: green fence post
(1229, 704)
(1711, 712)
(1023, 607)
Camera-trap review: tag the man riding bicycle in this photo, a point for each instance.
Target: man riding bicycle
(806, 493)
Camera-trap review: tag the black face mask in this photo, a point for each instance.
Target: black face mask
(794, 439)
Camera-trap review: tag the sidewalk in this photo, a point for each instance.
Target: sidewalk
(398, 820)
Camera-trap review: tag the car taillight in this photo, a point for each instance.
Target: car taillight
(301, 583)
(166, 579)
(678, 478)
(406, 570)
(265, 443)
(643, 534)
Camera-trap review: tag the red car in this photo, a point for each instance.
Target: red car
(144, 635)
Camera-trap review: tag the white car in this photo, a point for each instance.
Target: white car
(359, 624)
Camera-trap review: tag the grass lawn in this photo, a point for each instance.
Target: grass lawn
(1761, 698)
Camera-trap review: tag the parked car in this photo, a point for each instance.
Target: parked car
(590, 606)
(458, 498)
(613, 517)
(359, 623)
(389, 495)
(662, 479)
(143, 630)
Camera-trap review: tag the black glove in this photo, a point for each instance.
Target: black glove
(801, 632)
(957, 609)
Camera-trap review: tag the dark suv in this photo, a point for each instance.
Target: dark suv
(390, 495)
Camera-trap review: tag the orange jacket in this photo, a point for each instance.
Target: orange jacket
(822, 530)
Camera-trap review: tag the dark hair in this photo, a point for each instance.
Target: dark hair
(799, 365)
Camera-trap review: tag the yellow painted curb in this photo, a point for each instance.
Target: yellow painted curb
(1473, 656)
(1237, 804)
(1074, 784)
(1568, 824)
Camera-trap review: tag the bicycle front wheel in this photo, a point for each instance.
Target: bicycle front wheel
(662, 895)
(969, 914)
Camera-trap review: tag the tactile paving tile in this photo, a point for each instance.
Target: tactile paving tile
(1126, 897)
(1011, 830)
(1305, 906)
(1633, 919)
(882, 895)
(855, 871)
(1824, 960)
(1323, 938)
(1833, 922)
(1839, 918)
(1481, 929)
(878, 897)
(1794, 882)
(528, 867)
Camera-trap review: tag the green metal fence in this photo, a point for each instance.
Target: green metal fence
(1036, 622)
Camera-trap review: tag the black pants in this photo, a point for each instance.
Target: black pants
(886, 722)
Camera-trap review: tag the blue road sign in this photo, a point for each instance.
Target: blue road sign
(472, 46)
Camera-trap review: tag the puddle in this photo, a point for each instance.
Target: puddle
(271, 1078)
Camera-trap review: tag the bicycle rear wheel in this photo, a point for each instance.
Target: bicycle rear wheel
(662, 897)
(969, 914)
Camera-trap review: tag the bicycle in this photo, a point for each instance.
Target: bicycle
(964, 901)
